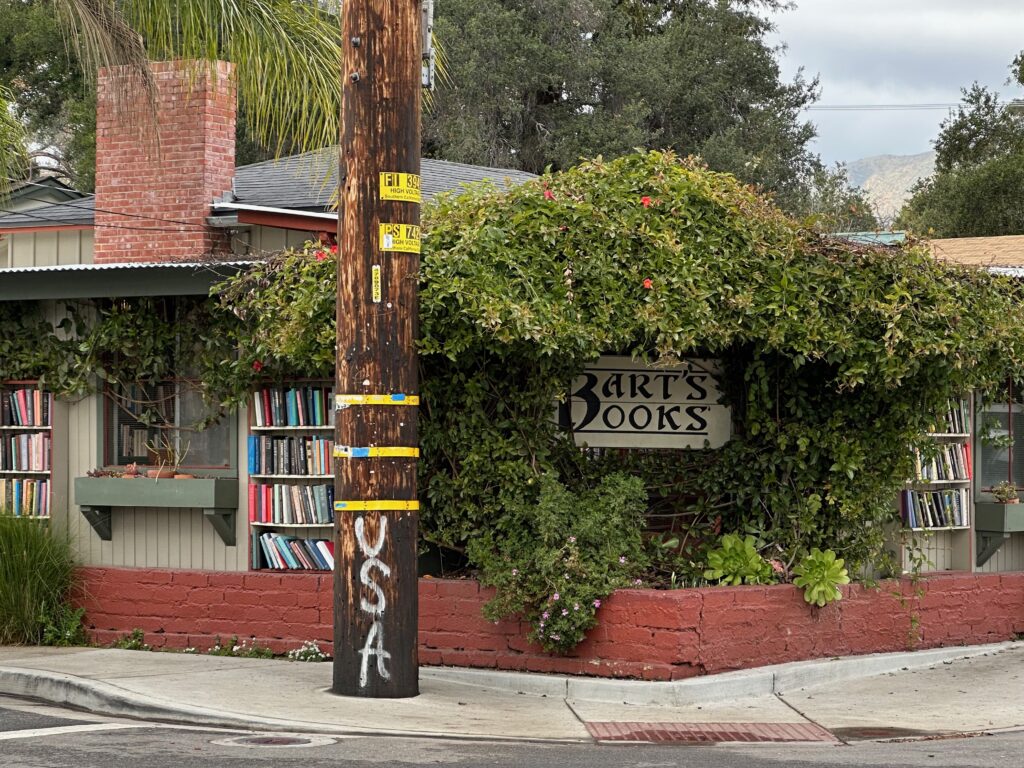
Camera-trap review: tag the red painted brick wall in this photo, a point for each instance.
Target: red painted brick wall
(175, 179)
(642, 633)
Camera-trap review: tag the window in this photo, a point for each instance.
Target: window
(1001, 444)
(162, 424)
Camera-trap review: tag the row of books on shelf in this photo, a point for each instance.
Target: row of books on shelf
(282, 504)
(25, 497)
(25, 452)
(935, 509)
(299, 455)
(949, 461)
(26, 408)
(135, 441)
(288, 553)
(309, 405)
(957, 419)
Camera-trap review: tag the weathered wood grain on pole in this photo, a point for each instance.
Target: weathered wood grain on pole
(375, 583)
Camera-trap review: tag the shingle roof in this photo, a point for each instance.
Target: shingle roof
(308, 181)
(303, 182)
(1005, 251)
(70, 213)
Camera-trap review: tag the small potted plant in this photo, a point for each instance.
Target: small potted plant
(1004, 492)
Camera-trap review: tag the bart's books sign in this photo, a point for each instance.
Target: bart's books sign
(621, 403)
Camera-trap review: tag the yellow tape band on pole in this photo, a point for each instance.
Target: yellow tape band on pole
(376, 506)
(398, 451)
(346, 401)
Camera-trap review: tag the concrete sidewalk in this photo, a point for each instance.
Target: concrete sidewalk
(938, 691)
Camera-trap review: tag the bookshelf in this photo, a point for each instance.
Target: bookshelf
(936, 508)
(26, 450)
(291, 477)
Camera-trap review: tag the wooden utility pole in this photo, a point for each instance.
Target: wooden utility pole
(377, 392)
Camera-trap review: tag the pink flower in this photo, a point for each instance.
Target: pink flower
(545, 615)
(555, 597)
(597, 603)
(777, 566)
(548, 194)
(638, 582)
(622, 559)
(565, 611)
(257, 365)
(321, 255)
(645, 201)
(572, 539)
(515, 571)
(648, 283)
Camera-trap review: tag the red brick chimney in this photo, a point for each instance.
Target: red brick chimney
(175, 180)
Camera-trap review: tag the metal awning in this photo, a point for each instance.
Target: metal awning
(103, 281)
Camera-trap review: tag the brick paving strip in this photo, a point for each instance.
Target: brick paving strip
(708, 733)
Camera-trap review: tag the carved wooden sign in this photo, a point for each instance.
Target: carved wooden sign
(621, 403)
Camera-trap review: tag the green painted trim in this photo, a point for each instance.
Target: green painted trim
(1002, 518)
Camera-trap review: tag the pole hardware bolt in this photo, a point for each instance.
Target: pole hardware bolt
(354, 77)
(356, 41)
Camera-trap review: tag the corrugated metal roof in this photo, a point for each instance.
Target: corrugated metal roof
(192, 265)
(873, 238)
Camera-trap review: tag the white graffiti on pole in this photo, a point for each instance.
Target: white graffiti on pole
(374, 645)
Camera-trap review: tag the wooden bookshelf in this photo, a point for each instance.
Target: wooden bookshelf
(26, 449)
(290, 472)
(937, 506)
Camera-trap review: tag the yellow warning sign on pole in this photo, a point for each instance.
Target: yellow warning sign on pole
(375, 283)
(404, 187)
(404, 238)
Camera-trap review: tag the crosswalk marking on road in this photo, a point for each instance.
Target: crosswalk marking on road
(31, 733)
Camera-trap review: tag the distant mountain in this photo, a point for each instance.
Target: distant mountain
(887, 179)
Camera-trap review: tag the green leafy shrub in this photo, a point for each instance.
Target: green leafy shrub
(249, 649)
(556, 554)
(737, 561)
(37, 574)
(64, 627)
(819, 574)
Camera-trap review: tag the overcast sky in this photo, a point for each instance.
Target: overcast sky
(896, 52)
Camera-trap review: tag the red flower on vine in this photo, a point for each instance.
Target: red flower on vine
(321, 255)
(548, 194)
(334, 248)
(257, 365)
(648, 283)
(645, 201)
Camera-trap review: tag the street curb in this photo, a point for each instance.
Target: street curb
(103, 698)
(764, 681)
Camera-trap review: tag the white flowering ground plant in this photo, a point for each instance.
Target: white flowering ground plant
(559, 552)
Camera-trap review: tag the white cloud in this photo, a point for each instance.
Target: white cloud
(896, 52)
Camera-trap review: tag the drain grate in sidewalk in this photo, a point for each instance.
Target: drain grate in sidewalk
(708, 733)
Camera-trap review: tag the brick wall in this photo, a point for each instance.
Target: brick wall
(642, 633)
(160, 183)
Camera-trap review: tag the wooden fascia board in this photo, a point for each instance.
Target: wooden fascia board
(296, 221)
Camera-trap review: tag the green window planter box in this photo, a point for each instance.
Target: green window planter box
(1003, 518)
(216, 496)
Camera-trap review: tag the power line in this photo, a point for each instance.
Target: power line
(53, 223)
(880, 107)
(72, 204)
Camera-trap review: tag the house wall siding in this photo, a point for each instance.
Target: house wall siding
(49, 249)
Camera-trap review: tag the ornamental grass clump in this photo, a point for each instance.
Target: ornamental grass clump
(37, 571)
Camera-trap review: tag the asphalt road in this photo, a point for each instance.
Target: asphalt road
(35, 735)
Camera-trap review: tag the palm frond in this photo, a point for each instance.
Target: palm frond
(13, 151)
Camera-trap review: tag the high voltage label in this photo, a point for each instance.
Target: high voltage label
(404, 238)
(375, 284)
(400, 186)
